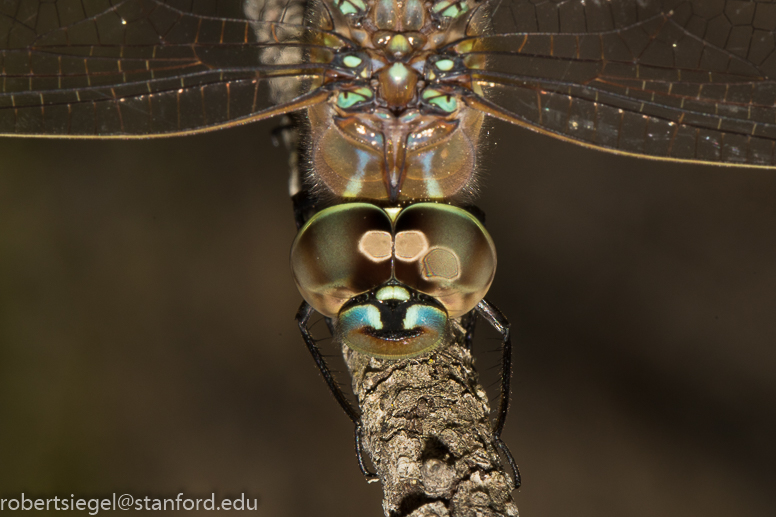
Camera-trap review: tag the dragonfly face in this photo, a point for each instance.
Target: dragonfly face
(393, 279)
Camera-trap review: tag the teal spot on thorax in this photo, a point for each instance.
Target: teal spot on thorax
(455, 10)
(351, 6)
(364, 92)
(445, 64)
(347, 8)
(440, 5)
(352, 61)
(450, 8)
(399, 72)
(349, 98)
(346, 100)
(443, 101)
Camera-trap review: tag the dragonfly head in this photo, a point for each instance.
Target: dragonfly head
(393, 279)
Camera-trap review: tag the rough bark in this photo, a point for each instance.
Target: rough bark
(427, 432)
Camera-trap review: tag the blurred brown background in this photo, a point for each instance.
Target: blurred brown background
(147, 340)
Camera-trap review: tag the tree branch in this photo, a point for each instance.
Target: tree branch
(427, 431)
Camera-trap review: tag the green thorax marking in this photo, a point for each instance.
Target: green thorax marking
(348, 98)
(450, 8)
(352, 61)
(351, 6)
(441, 100)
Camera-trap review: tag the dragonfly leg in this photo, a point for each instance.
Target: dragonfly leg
(302, 319)
(304, 207)
(330, 325)
(500, 323)
(469, 322)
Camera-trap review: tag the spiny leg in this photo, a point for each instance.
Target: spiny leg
(500, 323)
(287, 134)
(305, 206)
(302, 319)
(469, 323)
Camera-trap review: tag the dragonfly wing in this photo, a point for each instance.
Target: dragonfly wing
(93, 68)
(683, 80)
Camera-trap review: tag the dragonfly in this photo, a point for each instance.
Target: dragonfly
(393, 97)
(679, 80)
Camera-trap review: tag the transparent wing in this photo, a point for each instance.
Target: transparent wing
(685, 80)
(121, 68)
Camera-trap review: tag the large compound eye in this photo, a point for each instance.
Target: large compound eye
(341, 252)
(444, 252)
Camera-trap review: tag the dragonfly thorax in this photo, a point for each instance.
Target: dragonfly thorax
(396, 127)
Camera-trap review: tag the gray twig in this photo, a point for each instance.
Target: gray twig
(427, 432)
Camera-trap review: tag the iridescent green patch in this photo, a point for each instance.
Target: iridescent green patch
(443, 101)
(351, 6)
(450, 8)
(399, 72)
(349, 98)
(455, 10)
(445, 65)
(352, 61)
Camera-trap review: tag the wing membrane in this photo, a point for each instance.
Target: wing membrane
(150, 67)
(687, 80)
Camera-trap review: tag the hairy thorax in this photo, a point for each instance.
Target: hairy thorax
(395, 127)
